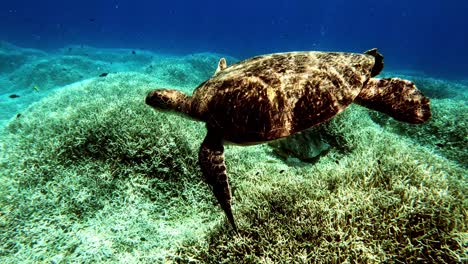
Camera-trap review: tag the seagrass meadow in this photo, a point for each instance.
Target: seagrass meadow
(90, 174)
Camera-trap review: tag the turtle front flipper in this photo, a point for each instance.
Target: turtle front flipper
(397, 98)
(211, 161)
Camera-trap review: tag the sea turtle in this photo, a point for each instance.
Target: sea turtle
(273, 96)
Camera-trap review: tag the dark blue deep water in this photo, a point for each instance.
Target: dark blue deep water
(423, 35)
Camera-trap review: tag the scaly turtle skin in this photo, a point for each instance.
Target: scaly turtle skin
(273, 96)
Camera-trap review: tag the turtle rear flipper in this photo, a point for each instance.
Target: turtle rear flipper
(397, 98)
(379, 63)
(211, 160)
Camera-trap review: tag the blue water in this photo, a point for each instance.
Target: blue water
(430, 36)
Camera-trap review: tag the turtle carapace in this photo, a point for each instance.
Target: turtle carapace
(273, 96)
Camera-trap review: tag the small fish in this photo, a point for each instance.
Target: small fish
(18, 115)
(133, 52)
(14, 96)
(104, 74)
(36, 88)
(92, 20)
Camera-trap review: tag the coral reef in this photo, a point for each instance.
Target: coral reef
(446, 132)
(307, 146)
(90, 174)
(385, 200)
(34, 74)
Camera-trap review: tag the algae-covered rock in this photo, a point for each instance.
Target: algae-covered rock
(306, 146)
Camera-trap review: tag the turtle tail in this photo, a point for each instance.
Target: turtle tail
(397, 98)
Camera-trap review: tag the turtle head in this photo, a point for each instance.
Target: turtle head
(169, 100)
